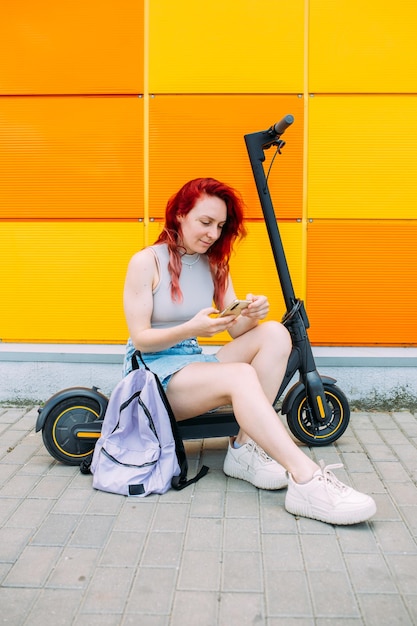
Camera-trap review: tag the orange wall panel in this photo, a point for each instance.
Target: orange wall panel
(361, 287)
(362, 47)
(75, 47)
(71, 157)
(194, 136)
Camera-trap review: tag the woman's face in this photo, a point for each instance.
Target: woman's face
(202, 226)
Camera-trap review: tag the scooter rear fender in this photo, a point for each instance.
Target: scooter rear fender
(295, 390)
(65, 394)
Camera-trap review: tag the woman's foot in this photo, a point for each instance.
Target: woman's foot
(326, 499)
(251, 463)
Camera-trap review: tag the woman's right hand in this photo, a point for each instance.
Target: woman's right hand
(207, 323)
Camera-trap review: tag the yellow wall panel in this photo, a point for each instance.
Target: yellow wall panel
(362, 47)
(72, 47)
(63, 281)
(71, 157)
(194, 136)
(361, 287)
(362, 157)
(226, 46)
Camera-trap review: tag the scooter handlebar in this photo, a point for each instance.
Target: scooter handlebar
(280, 127)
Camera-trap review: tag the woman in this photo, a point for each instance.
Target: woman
(169, 293)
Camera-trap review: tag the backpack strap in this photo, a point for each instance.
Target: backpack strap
(181, 481)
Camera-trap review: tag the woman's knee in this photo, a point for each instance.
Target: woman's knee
(241, 375)
(275, 335)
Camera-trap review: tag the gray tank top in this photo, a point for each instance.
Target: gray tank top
(196, 284)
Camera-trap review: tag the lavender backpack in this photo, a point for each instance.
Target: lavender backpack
(140, 450)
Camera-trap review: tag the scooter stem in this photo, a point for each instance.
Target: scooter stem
(256, 144)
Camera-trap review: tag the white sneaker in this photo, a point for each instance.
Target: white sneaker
(326, 499)
(251, 463)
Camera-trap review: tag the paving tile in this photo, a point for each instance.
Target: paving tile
(242, 534)
(287, 594)
(145, 620)
(108, 591)
(55, 530)
(409, 515)
(243, 609)
(50, 487)
(208, 504)
(242, 572)
(54, 607)
(136, 515)
(92, 531)
(7, 507)
(282, 553)
(123, 549)
(30, 513)
(74, 568)
(103, 503)
(384, 610)
(322, 553)
(204, 534)
(332, 596)
(239, 507)
(403, 493)
(170, 517)
(16, 603)
(357, 539)
(370, 574)
(33, 567)
(73, 501)
(152, 591)
(394, 537)
(163, 549)
(200, 570)
(6, 471)
(203, 606)
(12, 542)
(404, 571)
(18, 485)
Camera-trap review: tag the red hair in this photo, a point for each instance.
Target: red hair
(219, 253)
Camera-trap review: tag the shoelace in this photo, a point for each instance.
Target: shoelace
(332, 483)
(265, 458)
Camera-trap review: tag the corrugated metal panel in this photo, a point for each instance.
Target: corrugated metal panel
(193, 136)
(367, 47)
(72, 47)
(361, 287)
(63, 281)
(224, 46)
(362, 157)
(71, 157)
(253, 269)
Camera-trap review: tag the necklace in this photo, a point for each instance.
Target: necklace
(190, 265)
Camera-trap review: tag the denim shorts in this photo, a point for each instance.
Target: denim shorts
(165, 363)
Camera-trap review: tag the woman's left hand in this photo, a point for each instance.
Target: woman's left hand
(258, 308)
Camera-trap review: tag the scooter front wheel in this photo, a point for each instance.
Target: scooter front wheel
(300, 423)
(62, 432)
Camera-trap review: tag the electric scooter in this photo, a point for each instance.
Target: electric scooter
(317, 411)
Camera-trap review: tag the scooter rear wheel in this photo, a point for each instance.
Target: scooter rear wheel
(59, 430)
(301, 425)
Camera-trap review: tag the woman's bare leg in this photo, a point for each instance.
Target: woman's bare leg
(267, 348)
(200, 387)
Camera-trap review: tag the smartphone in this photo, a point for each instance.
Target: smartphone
(235, 308)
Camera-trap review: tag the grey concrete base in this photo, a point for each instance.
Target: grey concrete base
(372, 378)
